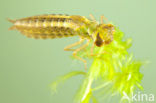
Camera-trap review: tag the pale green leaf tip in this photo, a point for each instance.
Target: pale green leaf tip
(63, 78)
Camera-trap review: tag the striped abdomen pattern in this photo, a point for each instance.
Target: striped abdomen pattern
(48, 26)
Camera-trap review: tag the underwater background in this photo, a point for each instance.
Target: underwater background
(28, 66)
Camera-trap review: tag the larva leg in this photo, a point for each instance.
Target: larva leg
(92, 17)
(79, 49)
(68, 48)
(92, 49)
(102, 18)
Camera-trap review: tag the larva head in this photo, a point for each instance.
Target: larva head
(103, 34)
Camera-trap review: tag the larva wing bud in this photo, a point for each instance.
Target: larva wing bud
(80, 20)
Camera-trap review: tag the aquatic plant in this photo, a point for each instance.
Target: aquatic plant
(113, 71)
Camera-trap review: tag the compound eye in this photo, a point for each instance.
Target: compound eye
(98, 42)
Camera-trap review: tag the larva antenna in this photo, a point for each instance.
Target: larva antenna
(92, 17)
(103, 18)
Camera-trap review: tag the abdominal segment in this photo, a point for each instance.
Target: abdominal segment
(46, 26)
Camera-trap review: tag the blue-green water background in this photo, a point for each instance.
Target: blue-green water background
(28, 66)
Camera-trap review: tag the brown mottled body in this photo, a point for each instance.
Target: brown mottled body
(49, 26)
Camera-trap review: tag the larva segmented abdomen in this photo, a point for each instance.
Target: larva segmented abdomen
(48, 26)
